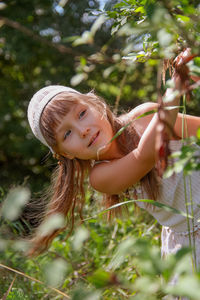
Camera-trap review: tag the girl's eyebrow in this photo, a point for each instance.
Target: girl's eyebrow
(72, 109)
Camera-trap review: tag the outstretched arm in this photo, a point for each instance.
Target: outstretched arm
(188, 123)
(117, 175)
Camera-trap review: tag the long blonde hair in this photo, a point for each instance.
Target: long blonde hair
(67, 189)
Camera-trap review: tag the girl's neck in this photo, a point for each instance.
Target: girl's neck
(113, 152)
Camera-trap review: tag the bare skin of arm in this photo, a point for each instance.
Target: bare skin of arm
(191, 123)
(132, 167)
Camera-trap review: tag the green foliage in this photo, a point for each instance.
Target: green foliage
(117, 52)
(187, 159)
(17, 294)
(113, 261)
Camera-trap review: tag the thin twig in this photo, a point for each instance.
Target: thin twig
(59, 47)
(34, 279)
(16, 25)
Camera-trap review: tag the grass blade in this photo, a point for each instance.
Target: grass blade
(9, 289)
(153, 202)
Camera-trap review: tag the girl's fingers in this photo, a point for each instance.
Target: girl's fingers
(183, 58)
(195, 78)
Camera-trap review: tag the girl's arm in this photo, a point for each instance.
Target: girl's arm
(190, 125)
(117, 175)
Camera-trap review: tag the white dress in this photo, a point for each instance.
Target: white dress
(176, 231)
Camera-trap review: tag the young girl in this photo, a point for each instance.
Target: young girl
(78, 129)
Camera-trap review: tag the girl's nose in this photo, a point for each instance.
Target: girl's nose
(84, 132)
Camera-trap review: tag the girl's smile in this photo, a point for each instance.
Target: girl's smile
(94, 139)
(83, 131)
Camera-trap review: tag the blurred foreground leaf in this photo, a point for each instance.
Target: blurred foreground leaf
(81, 293)
(187, 286)
(16, 199)
(52, 223)
(80, 237)
(55, 272)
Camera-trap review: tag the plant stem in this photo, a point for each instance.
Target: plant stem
(191, 242)
(34, 279)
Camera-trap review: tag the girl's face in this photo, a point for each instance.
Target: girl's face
(82, 132)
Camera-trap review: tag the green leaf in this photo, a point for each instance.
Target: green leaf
(184, 19)
(100, 278)
(198, 133)
(153, 202)
(140, 9)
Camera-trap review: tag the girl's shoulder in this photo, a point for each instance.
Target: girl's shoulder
(139, 110)
(140, 124)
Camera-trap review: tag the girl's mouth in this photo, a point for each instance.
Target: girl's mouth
(93, 139)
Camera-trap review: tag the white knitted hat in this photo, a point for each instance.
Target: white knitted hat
(37, 105)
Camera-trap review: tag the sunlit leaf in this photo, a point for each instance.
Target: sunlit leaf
(140, 9)
(108, 71)
(78, 78)
(198, 133)
(86, 38)
(97, 24)
(184, 19)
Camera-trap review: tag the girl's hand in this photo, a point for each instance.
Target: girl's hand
(165, 129)
(195, 78)
(181, 71)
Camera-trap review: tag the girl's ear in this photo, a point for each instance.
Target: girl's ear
(67, 155)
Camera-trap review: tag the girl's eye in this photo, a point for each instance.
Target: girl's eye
(67, 133)
(82, 113)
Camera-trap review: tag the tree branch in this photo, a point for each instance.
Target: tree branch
(16, 25)
(98, 58)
